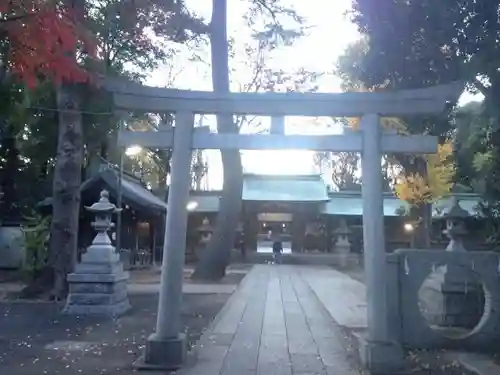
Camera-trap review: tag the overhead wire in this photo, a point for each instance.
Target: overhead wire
(48, 109)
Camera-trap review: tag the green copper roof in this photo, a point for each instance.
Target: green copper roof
(206, 202)
(272, 188)
(351, 204)
(311, 188)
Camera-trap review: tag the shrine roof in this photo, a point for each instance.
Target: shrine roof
(351, 203)
(289, 188)
(134, 193)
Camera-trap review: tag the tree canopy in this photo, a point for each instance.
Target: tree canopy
(39, 38)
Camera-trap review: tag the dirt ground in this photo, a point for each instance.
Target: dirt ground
(35, 339)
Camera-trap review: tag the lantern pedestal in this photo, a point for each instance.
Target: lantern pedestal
(99, 285)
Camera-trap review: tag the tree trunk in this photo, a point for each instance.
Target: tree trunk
(422, 215)
(66, 189)
(216, 256)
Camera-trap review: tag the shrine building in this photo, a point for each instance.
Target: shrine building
(310, 214)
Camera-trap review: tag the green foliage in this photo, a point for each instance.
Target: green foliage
(482, 161)
(414, 43)
(408, 44)
(36, 231)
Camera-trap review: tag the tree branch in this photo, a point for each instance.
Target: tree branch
(481, 87)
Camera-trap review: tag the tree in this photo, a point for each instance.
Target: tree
(36, 37)
(11, 165)
(366, 66)
(477, 162)
(67, 174)
(416, 189)
(212, 264)
(215, 258)
(39, 40)
(39, 37)
(421, 179)
(122, 35)
(441, 42)
(419, 187)
(343, 166)
(471, 146)
(437, 43)
(134, 38)
(412, 43)
(127, 33)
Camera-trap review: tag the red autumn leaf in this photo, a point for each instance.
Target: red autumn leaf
(42, 39)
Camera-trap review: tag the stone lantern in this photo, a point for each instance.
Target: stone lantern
(205, 230)
(99, 285)
(461, 290)
(342, 245)
(455, 226)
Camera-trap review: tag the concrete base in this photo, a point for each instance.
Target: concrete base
(163, 354)
(383, 358)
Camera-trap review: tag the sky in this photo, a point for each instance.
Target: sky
(329, 33)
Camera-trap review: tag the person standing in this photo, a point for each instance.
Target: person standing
(277, 245)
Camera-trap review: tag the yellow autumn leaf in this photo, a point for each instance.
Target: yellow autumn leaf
(415, 189)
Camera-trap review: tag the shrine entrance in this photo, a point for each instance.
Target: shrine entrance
(381, 352)
(285, 203)
(278, 222)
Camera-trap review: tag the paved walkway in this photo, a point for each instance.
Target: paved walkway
(273, 325)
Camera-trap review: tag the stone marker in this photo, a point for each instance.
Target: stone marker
(99, 285)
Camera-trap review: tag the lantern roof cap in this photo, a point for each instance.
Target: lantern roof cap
(103, 205)
(343, 228)
(205, 225)
(456, 211)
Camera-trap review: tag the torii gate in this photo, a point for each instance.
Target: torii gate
(166, 347)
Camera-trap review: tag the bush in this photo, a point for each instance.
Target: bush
(36, 231)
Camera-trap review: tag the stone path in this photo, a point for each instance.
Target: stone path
(273, 325)
(343, 297)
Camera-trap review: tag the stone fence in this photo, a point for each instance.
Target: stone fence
(461, 278)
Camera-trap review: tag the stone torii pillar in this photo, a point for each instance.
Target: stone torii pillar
(381, 353)
(166, 347)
